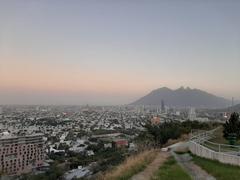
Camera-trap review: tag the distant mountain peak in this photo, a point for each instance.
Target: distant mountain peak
(181, 88)
(163, 88)
(183, 97)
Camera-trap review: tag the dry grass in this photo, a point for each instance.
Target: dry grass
(131, 166)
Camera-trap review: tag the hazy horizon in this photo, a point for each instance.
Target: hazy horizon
(77, 99)
(114, 52)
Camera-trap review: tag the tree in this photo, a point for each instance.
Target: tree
(81, 133)
(232, 127)
(96, 147)
(163, 132)
(63, 146)
(70, 136)
(54, 172)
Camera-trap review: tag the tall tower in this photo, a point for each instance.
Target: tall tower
(232, 101)
(162, 106)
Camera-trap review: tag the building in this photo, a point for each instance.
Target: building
(20, 154)
(107, 145)
(163, 110)
(155, 121)
(192, 114)
(178, 113)
(120, 143)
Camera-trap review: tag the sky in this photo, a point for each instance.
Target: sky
(110, 52)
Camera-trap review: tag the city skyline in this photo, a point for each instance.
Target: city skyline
(114, 52)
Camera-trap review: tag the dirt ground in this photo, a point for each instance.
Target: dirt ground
(147, 173)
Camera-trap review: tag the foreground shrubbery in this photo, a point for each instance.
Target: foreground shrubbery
(55, 172)
(106, 158)
(231, 129)
(130, 166)
(163, 132)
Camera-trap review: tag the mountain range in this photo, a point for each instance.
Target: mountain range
(183, 97)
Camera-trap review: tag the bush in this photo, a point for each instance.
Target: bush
(160, 134)
(232, 127)
(163, 132)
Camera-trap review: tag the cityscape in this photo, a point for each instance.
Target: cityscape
(34, 137)
(119, 90)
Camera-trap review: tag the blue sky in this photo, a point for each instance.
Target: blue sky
(112, 52)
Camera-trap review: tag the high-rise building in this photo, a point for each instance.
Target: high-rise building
(192, 114)
(20, 154)
(162, 106)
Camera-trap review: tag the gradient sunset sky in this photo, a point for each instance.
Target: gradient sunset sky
(115, 51)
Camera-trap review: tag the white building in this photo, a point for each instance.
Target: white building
(192, 114)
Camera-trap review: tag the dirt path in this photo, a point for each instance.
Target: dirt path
(196, 172)
(147, 173)
(185, 161)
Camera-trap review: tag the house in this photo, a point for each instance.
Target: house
(90, 153)
(120, 143)
(107, 145)
(52, 150)
(155, 121)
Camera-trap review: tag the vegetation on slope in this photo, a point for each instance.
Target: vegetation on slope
(160, 134)
(231, 129)
(171, 170)
(130, 166)
(219, 170)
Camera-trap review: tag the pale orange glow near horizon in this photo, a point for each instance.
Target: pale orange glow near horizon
(22, 75)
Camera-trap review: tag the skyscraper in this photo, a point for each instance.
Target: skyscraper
(192, 114)
(162, 106)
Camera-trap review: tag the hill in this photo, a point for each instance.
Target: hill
(183, 97)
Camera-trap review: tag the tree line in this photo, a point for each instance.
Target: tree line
(160, 134)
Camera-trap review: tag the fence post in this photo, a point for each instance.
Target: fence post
(219, 147)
